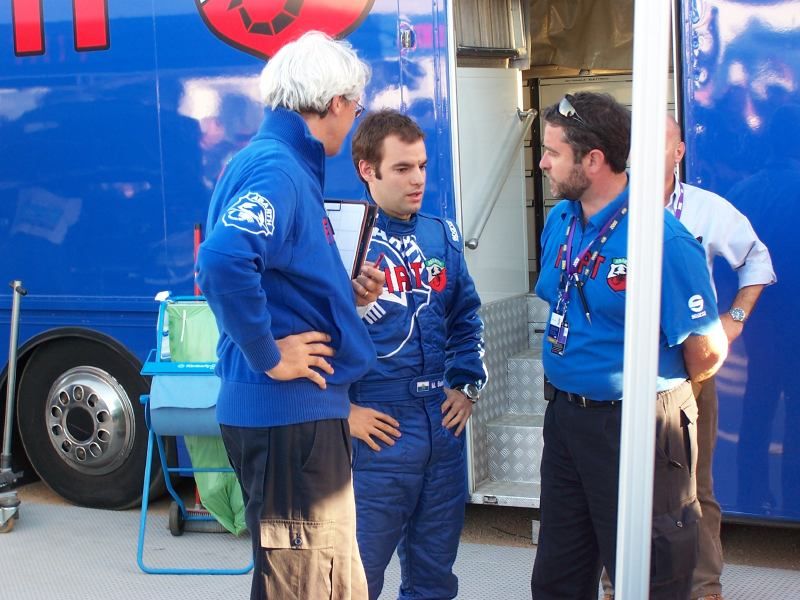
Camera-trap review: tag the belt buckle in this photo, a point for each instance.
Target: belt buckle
(577, 399)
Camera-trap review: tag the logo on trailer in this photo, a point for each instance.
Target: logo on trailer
(251, 213)
(262, 27)
(618, 274)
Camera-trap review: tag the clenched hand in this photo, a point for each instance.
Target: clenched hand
(368, 286)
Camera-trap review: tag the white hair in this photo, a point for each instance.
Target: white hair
(305, 75)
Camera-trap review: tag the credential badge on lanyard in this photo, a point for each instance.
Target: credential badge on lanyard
(558, 329)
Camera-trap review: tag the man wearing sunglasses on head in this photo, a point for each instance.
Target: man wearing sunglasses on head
(584, 269)
(723, 231)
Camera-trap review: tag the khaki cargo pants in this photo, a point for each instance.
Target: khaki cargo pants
(299, 507)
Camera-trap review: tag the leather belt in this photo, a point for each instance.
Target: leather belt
(552, 393)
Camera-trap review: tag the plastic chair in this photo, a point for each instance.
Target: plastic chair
(182, 401)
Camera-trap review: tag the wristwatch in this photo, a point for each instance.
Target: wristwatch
(470, 390)
(737, 314)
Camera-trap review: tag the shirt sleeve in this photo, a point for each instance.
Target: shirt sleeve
(688, 305)
(249, 233)
(548, 241)
(744, 251)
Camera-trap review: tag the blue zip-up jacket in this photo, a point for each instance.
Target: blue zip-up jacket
(426, 320)
(269, 268)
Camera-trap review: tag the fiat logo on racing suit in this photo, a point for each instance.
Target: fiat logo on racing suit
(409, 274)
(262, 27)
(437, 274)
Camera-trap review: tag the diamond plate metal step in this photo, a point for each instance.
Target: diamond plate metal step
(515, 447)
(535, 335)
(507, 493)
(538, 310)
(525, 383)
(538, 313)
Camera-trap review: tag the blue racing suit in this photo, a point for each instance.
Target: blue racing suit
(427, 334)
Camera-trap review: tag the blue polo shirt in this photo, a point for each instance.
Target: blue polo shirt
(591, 364)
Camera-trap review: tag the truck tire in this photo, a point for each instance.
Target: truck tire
(82, 424)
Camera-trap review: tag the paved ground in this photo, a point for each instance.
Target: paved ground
(758, 546)
(71, 553)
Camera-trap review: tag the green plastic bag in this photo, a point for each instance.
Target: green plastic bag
(193, 332)
(193, 337)
(220, 492)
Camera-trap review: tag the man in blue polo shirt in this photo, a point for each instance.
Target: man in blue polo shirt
(584, 268)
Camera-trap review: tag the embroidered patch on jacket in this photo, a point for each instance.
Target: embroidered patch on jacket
(618, 274)
(437, 274)
(453, 230)
(251, 213)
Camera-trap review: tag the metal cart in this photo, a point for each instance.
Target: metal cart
(182, 401)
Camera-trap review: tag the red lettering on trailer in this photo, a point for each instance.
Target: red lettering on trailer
(90, 24)
(26, 16)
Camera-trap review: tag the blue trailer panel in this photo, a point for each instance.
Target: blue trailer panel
(741, 97)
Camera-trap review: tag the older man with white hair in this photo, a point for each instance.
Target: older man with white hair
(291, 340)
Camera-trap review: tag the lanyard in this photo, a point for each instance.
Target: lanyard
(679, 203)
(571, 266)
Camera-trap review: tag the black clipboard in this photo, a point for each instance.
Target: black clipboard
(352, 223)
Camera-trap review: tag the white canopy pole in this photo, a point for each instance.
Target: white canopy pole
(643, 292)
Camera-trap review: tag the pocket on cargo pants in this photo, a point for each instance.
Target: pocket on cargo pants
(674, 546)
(297, 559)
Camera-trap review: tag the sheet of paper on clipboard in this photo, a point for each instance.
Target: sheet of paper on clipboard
(352, 223)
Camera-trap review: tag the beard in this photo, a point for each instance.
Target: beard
(573, 187)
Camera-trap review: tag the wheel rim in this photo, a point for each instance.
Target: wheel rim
(90, 420)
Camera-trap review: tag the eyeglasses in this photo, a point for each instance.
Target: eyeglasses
(565, 109)
(359, 108)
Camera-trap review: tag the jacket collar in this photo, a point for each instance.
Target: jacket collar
(394, 226)
(599, 219)
(389, 224)
(289, 127)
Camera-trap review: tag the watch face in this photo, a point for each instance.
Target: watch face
(737, 314)
(471, 391)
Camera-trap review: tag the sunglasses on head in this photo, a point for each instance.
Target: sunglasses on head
(565, 109)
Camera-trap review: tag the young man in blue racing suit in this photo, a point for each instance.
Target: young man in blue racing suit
(409, 412)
